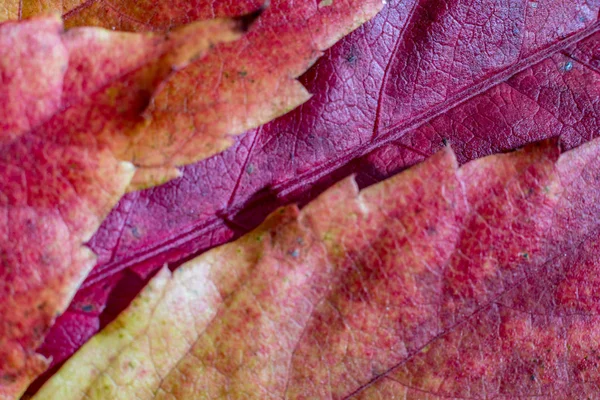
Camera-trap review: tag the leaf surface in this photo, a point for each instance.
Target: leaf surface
(486, 76)
(70, 101)
(129, 15)
(256, 82)
(257, 75)
(442, 281)
(100, 96)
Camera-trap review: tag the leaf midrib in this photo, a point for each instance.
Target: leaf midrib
(390, 134)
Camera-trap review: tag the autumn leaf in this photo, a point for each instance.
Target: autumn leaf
(485, 78)
(257, 80)
(128, 15)
(70, 100)
(101, 98)
(475, 281)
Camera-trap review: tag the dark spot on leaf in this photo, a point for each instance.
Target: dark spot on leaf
(295, 253)
(30, 225)
(37, 331)
(135, 232)
(5, 262)
(45, 259)
(87, 308)
(142, 101)
(250, 169)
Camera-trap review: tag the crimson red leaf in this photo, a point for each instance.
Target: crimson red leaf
(486, 76)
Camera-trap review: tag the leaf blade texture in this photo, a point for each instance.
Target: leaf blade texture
(257, 80)
(496, 76)
(507, 73)
(397, 290)
(68, 97)
(124, 96)
(252, 163)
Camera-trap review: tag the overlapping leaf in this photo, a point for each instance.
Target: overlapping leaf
(476, 282)
(257, 75)
(71, 101)
(554, 94)
(486, 76)
(257, 82)
(69, 120)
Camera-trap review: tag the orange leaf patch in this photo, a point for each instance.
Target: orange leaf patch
(239, 86)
